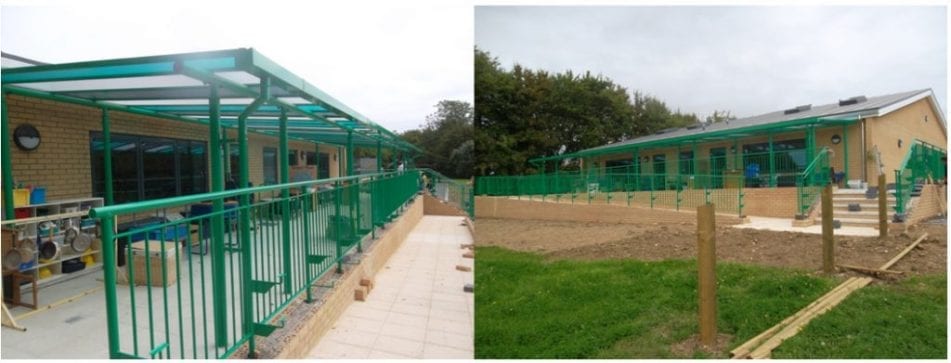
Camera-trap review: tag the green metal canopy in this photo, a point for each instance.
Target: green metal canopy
(178, 87)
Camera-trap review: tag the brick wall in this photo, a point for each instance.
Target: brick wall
(932, 202)
(915, 121)
(501, 207)
(372, 261)
(62, 161)
(770, 202)
(436, 207)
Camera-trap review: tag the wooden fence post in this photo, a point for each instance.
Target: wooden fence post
(882, 207)
(706, 266)
(828, 240)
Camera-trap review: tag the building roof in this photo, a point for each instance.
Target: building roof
(823, 114)
(178, 87)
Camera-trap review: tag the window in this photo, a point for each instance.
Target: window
(234, 157)
(149, 167)
(292, 157)
(270, 165)
(660, 171)
(619, 166)
(686, 162)
(323, 166)
(310, 158)
(789, 157)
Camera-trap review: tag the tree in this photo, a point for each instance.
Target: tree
(522, 114)
(445, 131)
(720, 116)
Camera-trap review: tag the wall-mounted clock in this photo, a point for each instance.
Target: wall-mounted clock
(26, 137)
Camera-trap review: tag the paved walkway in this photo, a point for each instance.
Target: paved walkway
(785, 225)
(418, 308)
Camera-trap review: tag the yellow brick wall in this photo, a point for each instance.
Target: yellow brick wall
(907, 124)
(501, 207)
(62, 161)
(932, 202)
(770, 202)
(837, 160)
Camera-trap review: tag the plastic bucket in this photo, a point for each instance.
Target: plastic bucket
(38, 196)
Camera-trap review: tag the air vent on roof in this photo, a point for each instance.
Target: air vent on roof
(664, 131)
(852, 101)
(797, 109)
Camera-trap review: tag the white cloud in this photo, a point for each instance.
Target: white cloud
(749, 60)
(390, 62)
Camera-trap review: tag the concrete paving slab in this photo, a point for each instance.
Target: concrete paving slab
(428, 313)
(785, 225)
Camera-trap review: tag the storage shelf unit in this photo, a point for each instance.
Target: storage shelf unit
(55, 228)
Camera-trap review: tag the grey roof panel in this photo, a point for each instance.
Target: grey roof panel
(833, 109)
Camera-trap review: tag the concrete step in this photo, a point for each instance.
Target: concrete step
(863, 213)
(864, 206)
(851, 199)
(853, 222)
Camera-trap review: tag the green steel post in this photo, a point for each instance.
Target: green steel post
(696, 165)
(109, 268)
(217, 224)
(845, 151)
(379, 156)
(899, 198)
(772, 163)
(304, 204)
(107, 157)
(353, 206)
(7, 160)
(736, 156)
(637, 169)
(810, 143)
(677, 156)
(227, 154)
(336, 226)
(317, 159)
(285, 203)
(245, 219)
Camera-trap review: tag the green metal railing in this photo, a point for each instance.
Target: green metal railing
(923, 161)
(810, 182)
(622, 188)
(231, 267)
(459, 195)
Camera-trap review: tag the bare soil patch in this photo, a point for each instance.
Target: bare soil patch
(660, 241)
(688, 348)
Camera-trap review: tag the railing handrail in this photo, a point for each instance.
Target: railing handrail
(114, 210)
(815, 161)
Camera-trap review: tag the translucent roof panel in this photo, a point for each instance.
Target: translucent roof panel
(178, 87)
(113, 83)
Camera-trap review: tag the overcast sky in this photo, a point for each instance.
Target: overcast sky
(391, 63)
(748, 60)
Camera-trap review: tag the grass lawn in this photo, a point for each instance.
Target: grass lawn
(528, 307)
(903, 320)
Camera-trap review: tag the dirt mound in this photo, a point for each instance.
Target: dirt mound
(659, 241)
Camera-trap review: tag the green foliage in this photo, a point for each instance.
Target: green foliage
(443, 137)
(522, 114)
(720, 116)
(899, 321)
(527, 307)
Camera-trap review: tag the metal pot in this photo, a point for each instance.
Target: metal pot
(70, 234)
(12, 260)
(49, 250)
(81, 242)
(27, 249)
